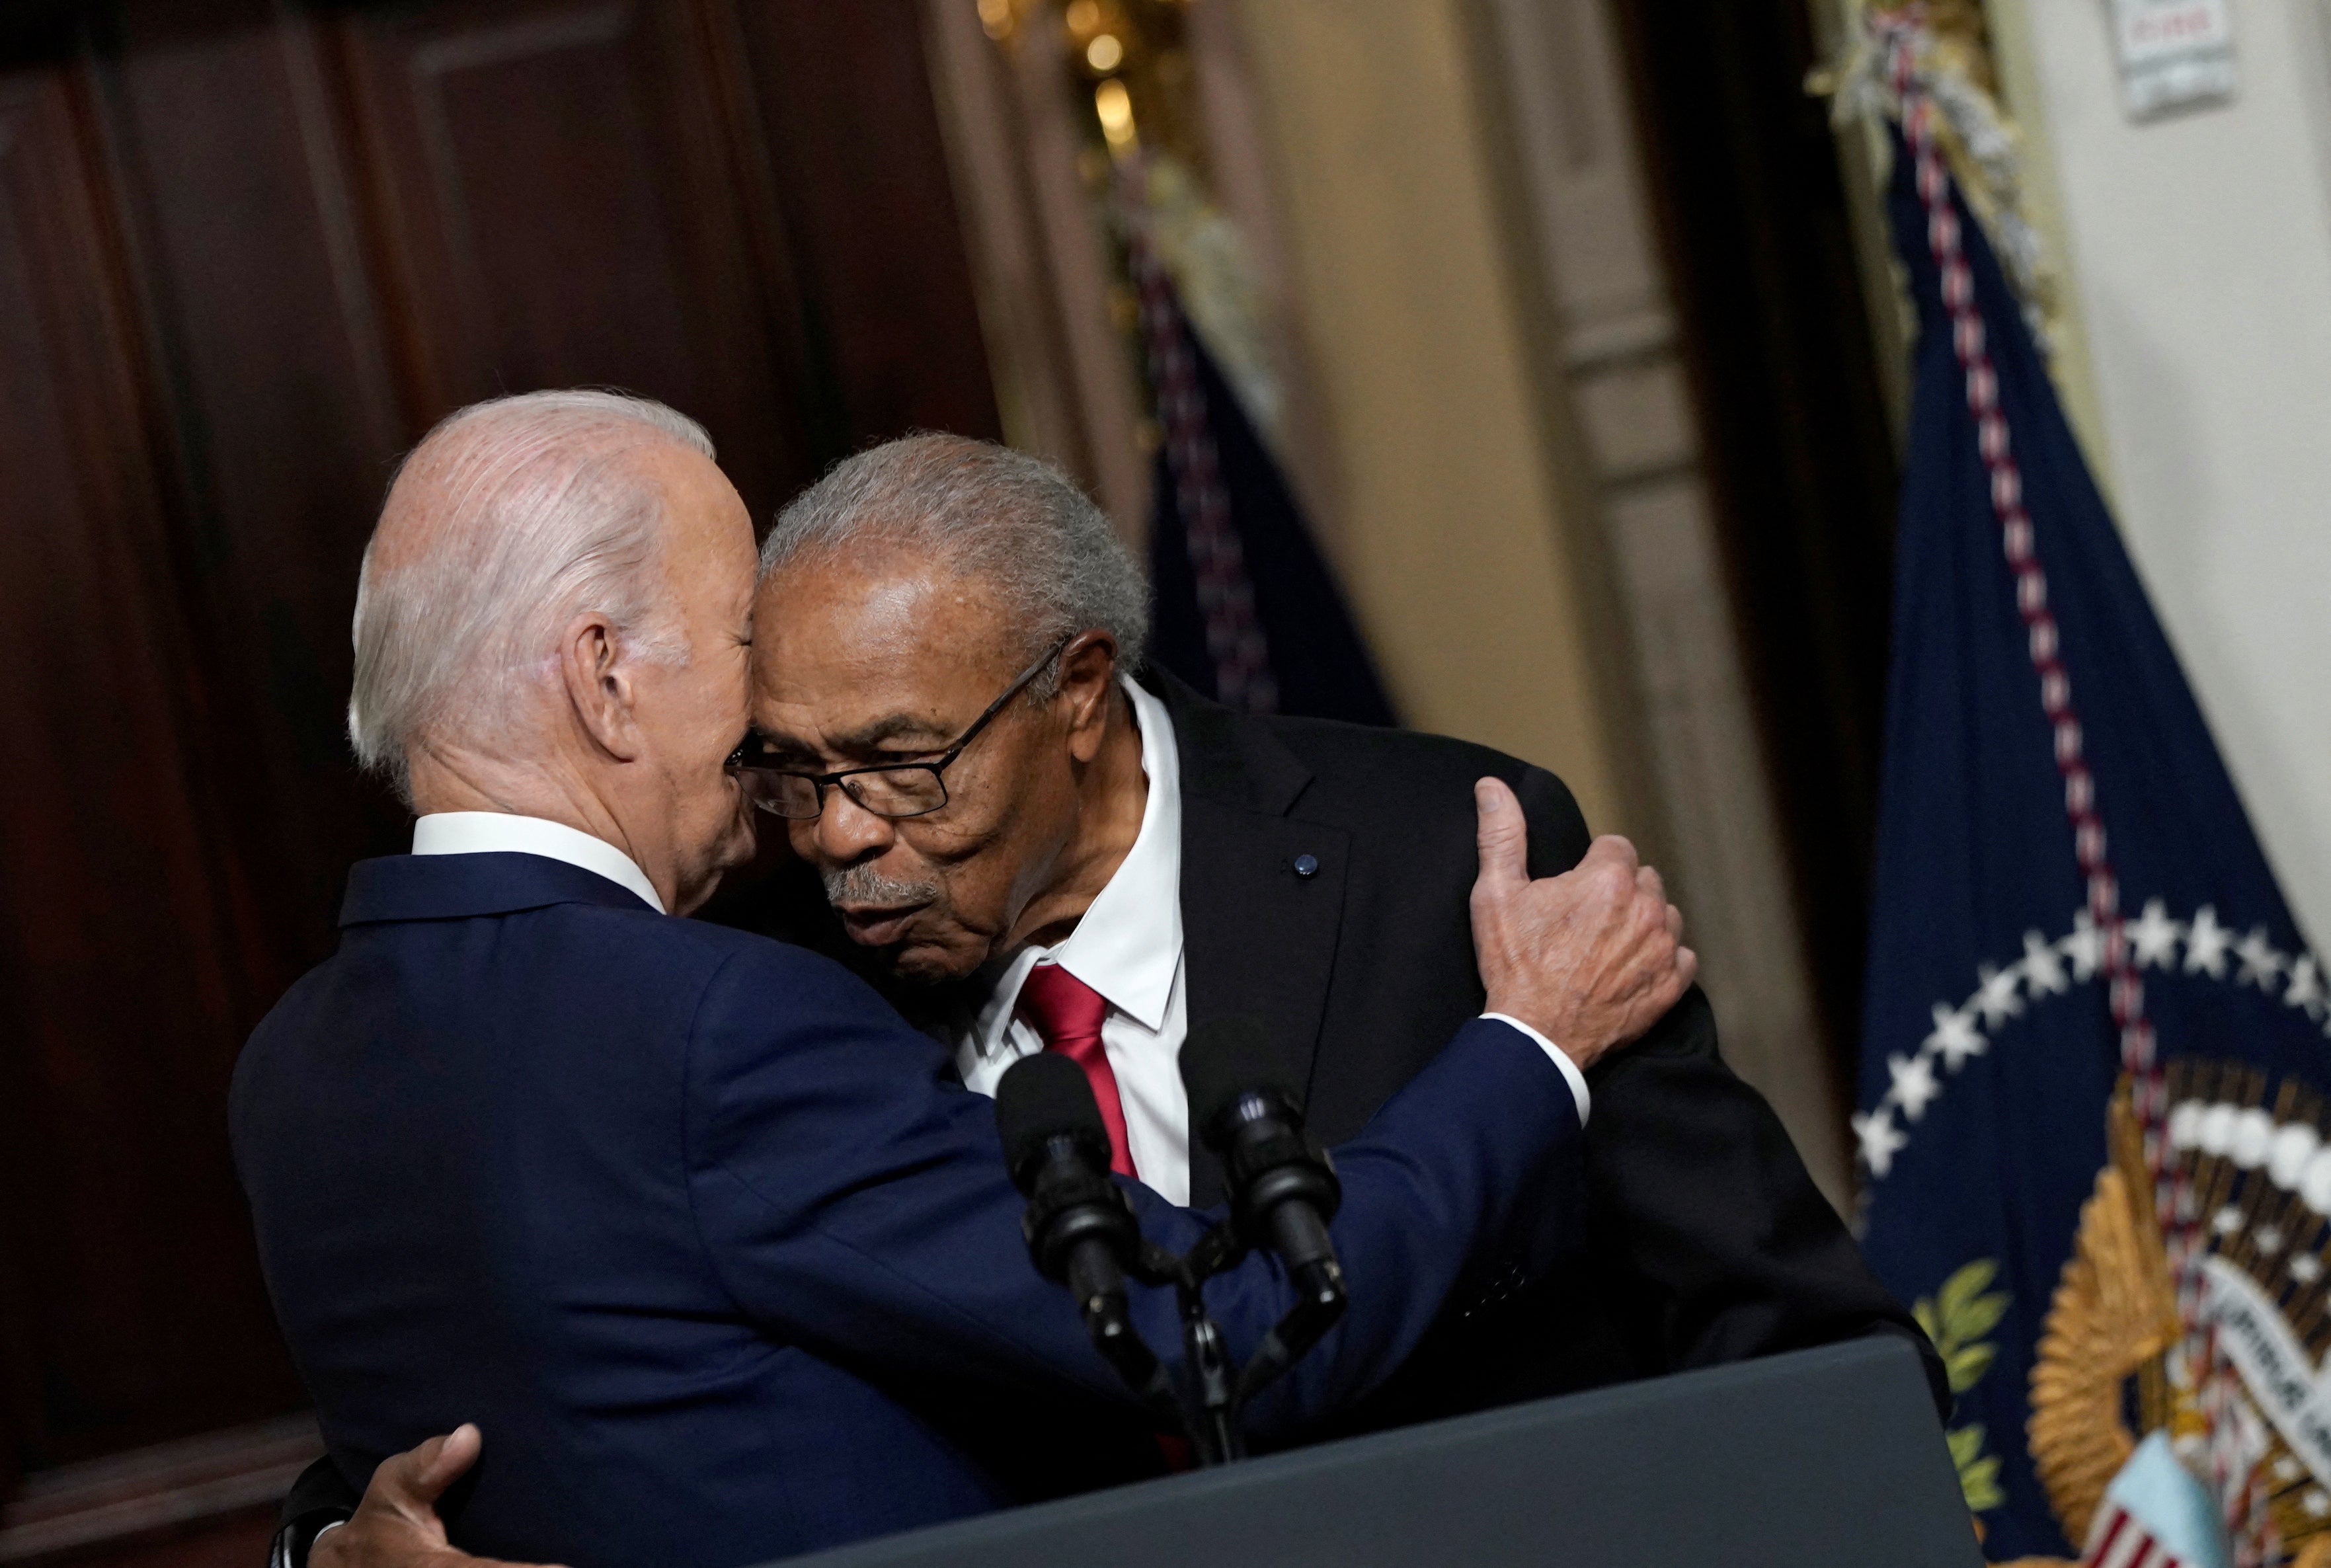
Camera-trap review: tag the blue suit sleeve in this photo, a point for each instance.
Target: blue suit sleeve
(1468, 1178)
(852, 1197)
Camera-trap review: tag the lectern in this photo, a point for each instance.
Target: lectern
(1823, 1459)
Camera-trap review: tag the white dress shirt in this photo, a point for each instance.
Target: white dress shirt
(501, 832)
(1129, 947)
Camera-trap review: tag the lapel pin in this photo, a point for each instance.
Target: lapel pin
(1306, 865)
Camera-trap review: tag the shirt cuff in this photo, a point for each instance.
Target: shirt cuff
(1570, 1073)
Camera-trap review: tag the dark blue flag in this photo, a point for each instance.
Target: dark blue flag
(1247, 611)
(2091, 1125)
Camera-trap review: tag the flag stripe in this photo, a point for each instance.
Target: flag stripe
(2105, 1534)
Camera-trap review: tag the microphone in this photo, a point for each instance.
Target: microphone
(1079, 1229)
(1283, 1191)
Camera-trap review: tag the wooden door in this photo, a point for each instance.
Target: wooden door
(250, 250)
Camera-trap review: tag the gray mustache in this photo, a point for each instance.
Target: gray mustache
(865, 885)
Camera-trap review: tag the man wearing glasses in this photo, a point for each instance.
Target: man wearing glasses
(1031, 849)
(708, 1241)
(1114, 860)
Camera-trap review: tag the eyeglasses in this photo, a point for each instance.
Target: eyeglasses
(910, 789)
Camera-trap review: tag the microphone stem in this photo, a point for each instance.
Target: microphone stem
(1218, 1439)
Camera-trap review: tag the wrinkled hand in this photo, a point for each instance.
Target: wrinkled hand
(397, 1524)
(1590, 959)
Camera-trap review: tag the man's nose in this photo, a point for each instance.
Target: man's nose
(847, 832)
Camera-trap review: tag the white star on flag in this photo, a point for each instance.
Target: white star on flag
(2154, 934)
(1955, 1037)
(1996, 998)
(1879, 1139)
(1914, 1083)
(2041, 968)
(2305, 988)
(2084, 947)
(2261, 964)
(2206, 942)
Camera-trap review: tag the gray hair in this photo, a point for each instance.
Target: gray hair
(512, 517)
(985, 511)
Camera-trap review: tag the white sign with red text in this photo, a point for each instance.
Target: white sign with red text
(2173, 54)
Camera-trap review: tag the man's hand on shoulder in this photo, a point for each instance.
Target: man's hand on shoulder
(396, 1526)
(1591, 958)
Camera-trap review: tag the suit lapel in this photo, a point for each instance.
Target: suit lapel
(1258, 935)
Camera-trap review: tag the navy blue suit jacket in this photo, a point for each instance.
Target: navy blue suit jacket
(715, 1250)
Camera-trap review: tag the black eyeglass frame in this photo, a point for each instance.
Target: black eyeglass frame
(937, 767)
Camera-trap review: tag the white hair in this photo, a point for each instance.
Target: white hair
(985, 511)
(512, 517)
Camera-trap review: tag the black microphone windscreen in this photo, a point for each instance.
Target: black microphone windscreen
(1224, 1059)
(1042, 1097)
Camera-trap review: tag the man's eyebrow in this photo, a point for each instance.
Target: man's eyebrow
(891, 727)
(867, 739)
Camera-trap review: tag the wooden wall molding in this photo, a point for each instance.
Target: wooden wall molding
(115, 1500)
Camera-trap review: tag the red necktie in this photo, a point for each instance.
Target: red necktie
(1068, 1014)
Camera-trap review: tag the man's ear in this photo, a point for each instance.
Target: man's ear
(1087, 674)
(600, 690)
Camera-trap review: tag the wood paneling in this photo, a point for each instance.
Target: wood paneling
(509, 140)
(249, 250)
(854, 134)
(120, 962)
(283, 420)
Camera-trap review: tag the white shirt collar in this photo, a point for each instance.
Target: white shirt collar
(1128, 944)
(501, 832)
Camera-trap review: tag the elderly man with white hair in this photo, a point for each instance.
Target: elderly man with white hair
(541, 660)
(714, 1249)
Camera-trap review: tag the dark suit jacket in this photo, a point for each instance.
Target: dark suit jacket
(1707, 1240)
(715, 1250)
